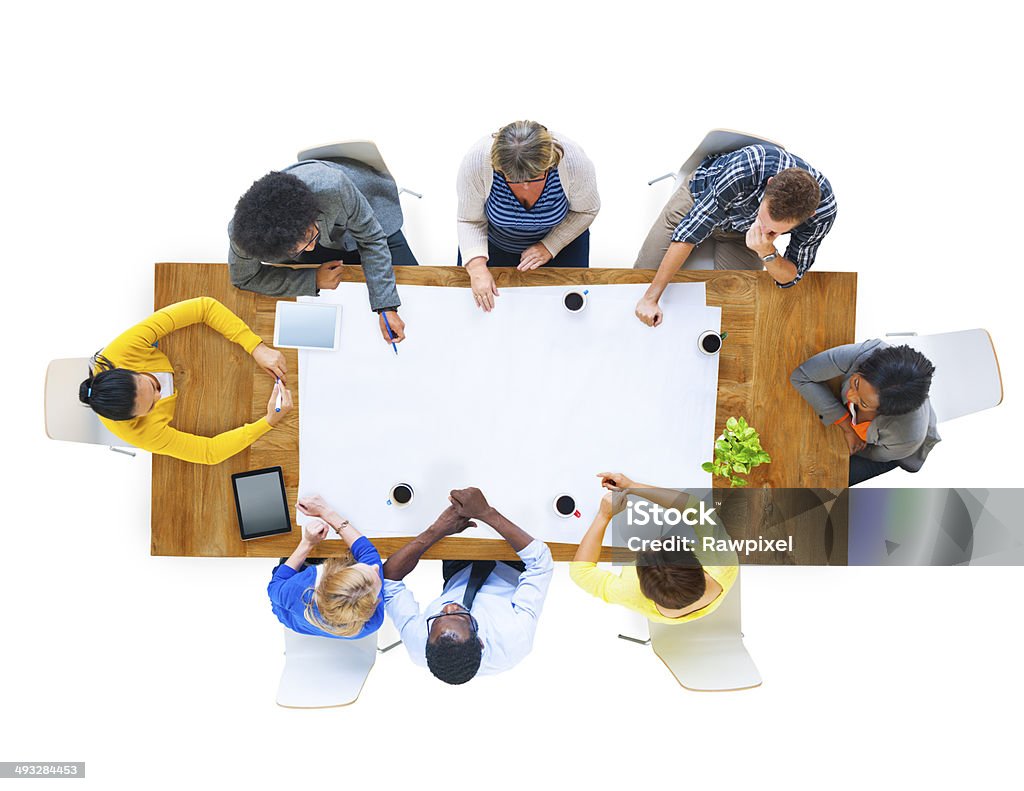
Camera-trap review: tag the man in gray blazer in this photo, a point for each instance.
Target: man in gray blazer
(326, 213)
(882, 408)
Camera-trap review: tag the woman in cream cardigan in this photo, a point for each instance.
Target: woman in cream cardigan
(526, 199)
(131, 384)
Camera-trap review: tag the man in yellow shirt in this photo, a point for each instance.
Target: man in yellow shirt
(666, 586)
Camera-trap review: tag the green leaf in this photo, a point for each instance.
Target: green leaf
(708, 466)
(738, 482)
(732, 424)
(738, 467)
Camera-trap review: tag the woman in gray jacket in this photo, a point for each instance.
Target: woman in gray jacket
(882, 408)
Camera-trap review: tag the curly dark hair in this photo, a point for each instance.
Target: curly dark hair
(272, 217)
(454, 661)
(792, 196)
(901, 375)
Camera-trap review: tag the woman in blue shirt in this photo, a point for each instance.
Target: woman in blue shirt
(339, 598)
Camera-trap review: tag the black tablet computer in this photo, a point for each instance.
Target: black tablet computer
(261, 503)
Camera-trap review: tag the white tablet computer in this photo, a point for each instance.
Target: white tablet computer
(299, 325)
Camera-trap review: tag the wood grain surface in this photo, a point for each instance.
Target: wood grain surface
(770, 332)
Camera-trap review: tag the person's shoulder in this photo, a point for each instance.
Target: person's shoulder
(911, 425)
(478, 157)
(319, 176)
(574, 158)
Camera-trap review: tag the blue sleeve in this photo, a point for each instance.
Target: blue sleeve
(364, 551)
(287, 586)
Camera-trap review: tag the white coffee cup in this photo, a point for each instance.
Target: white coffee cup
(568, 502)
(575, 300)
(401, 495)
(712, 339)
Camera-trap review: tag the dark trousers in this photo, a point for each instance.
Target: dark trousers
(401, 254)
(449, 568)
(862, 469)
(574, 255)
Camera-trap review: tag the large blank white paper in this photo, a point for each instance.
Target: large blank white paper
(527, 402)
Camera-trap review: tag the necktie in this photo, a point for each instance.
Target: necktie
(477, 574)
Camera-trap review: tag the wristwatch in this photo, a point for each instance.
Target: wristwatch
(767, 259)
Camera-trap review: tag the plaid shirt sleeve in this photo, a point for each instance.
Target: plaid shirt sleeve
(736, 181)
(697, 225)
(804, 242)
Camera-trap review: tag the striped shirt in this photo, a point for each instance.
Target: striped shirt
(514, 228)
(727, 190)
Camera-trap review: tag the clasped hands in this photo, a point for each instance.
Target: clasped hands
(326, 519)
(466, 505)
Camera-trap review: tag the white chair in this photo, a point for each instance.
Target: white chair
(387, 636)
(321, 672)
(967, 377)
(708, 654)
(66, 417)
(364, 151)
(717, 141)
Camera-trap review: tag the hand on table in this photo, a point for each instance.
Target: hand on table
(329, 274)
(760, 241)
(469, 503)
(649, 311)
(449, 522)
(315, 505)
(616, 481)
(481, 281)
(397, 326)
(315, 532)
(273, 416)
(534, 256)
(271, 361)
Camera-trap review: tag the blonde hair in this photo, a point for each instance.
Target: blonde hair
(523, 150)
(345, 597)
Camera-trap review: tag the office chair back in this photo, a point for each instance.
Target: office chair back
(66, 417)
(967, 377)
(364, 151)
(321, 672)
(708, 654)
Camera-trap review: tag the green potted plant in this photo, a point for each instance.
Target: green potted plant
(737, 451)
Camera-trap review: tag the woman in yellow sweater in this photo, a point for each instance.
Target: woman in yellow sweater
(131, 385)
(664, 586)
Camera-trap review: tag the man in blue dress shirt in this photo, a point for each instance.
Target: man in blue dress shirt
(486, 616)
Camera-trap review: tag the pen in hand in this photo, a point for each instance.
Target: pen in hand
(391, 335)
(277, 401)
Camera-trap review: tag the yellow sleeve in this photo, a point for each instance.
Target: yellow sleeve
(597, 582)
(140, 338)
(205, 450)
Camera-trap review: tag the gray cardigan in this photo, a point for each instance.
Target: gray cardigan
(359, 208)
(906, 439)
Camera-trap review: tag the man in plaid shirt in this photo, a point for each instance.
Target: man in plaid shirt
(740, 202)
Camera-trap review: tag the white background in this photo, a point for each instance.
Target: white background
(130, 130)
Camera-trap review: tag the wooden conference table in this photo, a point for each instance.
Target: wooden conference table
(771, 331)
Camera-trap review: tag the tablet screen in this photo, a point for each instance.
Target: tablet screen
(299, 325)
(261, 503)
